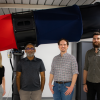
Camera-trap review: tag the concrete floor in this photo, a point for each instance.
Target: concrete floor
(42, 98)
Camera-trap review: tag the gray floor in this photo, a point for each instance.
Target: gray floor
(42, 98)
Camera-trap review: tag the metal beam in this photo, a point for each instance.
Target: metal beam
(28, 6)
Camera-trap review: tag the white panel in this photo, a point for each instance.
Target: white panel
(72, 2)
(18, 1)
(90, 1)
(2, 1)
(49, 2)
(25, 1)
(80, 2)
(19, 10)
(12, 10)
(57, 2)
(41, 2)
(33, 2)
(26, 9)
(1, 12)
(5, 10)
(64, 2)
(10, 1)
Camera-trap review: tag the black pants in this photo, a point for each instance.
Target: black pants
(93, 88)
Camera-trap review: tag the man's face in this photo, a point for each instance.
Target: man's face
(30, 50)
(96, 41)
(63, 46)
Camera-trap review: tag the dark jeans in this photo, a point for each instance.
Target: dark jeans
(60, 89)
(93, 88)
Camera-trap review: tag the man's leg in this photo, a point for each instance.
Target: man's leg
(98, 90)
(91, 91)
(64, 89)
(57, 91)
(36, 95)
(24, 95)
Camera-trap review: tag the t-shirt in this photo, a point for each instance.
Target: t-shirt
(30, 69)
(1, 73)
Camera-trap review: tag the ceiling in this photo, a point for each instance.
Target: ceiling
(12, 6)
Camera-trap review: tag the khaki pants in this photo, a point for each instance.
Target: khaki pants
(27, 95)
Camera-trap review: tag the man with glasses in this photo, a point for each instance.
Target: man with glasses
(27, 78)
(64, 71)
(91, 73)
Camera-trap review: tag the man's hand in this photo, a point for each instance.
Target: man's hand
(69, 90)
(85, 88)
(4, 92)
(51, 88)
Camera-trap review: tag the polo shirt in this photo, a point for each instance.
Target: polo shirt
(30, 69)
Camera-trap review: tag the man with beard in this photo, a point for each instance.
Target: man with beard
(64, 71)
(91, 73)
(27, 79)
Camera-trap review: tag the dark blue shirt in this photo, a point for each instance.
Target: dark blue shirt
(30, 69)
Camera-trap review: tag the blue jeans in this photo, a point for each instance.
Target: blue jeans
(60, 89)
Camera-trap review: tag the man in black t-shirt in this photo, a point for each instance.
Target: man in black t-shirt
(27, 79)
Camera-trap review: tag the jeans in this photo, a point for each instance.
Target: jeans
(93, 88)
(60, 89)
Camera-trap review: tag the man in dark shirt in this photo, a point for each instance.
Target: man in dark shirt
(91, 74)
(27, 79)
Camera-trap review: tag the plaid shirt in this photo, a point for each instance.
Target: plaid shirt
(64, 67)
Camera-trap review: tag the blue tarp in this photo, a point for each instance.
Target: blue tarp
(54, 24)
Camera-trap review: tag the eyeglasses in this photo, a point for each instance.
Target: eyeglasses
(30, 49)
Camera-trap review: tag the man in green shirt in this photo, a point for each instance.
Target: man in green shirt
(91, 73)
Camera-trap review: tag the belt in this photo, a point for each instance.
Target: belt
(59, 82)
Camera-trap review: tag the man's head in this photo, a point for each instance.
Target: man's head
(96, 40)
(63, 45)
(30, 50)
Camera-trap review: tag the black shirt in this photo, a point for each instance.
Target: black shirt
(30, 80)
(1, 74)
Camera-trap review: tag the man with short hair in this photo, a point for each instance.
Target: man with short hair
(64, 71)
(27, 79)
(91, 73)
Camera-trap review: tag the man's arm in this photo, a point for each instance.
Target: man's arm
(42, 80)
(70, 89)
(3, 85)
(50, 82)
(84, 76)
(74, 78)
(18, 75)
(84, 81)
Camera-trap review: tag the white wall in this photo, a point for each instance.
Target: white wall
(46, 52)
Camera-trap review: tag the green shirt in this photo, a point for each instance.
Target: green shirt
(92, 65)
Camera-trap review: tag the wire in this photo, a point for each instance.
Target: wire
(11, 64)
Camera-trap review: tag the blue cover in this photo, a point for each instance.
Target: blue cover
(54, 24)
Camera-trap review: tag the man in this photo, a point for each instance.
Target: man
(28, 72)
(64, 71)
(91, 73)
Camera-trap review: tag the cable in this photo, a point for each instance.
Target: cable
(11, 64)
